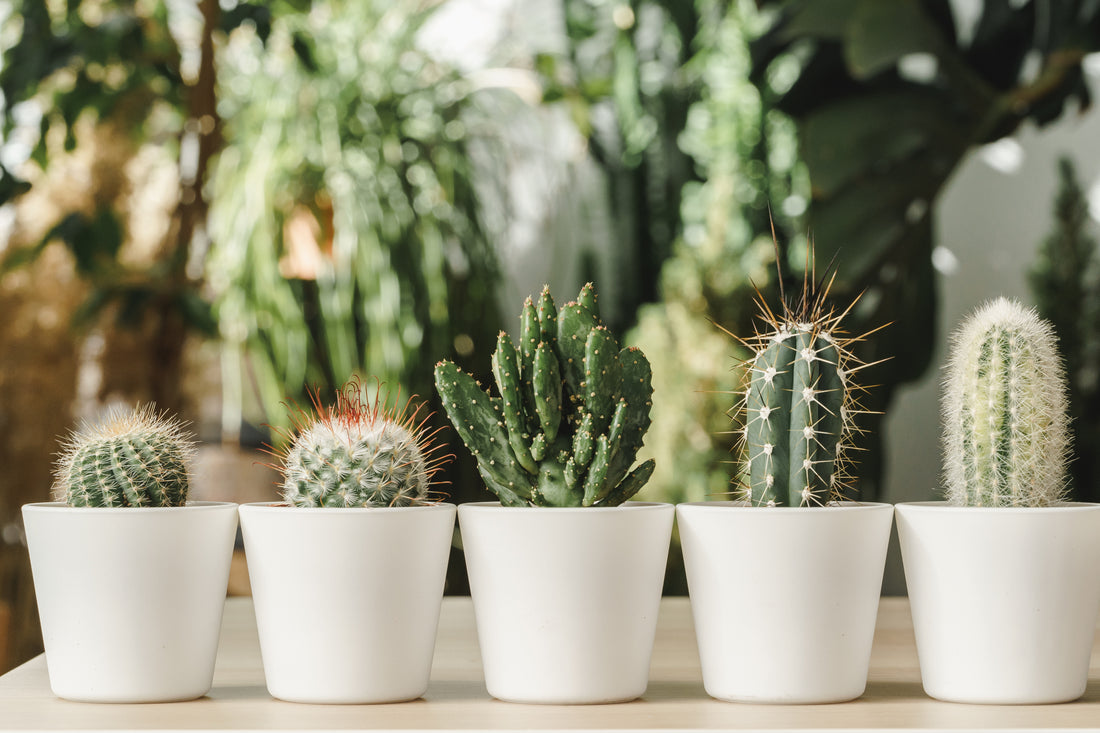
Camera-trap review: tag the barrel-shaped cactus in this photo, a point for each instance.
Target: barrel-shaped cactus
(572, 410)
(797, 411)
(130, 458)
(361, 452)
(1006, 436)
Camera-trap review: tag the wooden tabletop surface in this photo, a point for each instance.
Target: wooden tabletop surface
(457, 700)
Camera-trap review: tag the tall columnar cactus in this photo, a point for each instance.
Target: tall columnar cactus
(131, 458)
(1006, 435)
(572, 412)
(798, 406)
(359, 453)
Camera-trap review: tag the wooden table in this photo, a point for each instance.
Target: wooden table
(457, 699)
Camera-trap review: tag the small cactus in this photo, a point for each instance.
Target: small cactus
(360, 453)
(572, 412)
(798, 405)
(131, 458)
(1006, 435)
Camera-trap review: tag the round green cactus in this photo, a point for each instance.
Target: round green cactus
(131, 458)
(1006, 431)
(361, 453)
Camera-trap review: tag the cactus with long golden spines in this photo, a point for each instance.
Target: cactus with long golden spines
(797, 410)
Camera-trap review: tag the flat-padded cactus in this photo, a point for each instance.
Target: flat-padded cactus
(798, 405)
(131, 458)
(360, 453)
(1006, 433)
(571, 414)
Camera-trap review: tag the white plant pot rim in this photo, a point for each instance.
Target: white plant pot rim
(496, 506)
(280, 507)
(942, 507)
(743, 506)
(60, 506)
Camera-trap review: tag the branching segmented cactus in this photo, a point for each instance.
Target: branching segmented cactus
(361, 453)
(132, 458)
(572, 412)
(1006, 436)
(798, 406)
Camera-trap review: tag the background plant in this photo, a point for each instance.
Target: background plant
(888, 98)
(1066, 282)
(745, 155)
(1006, 431)
(346, 230)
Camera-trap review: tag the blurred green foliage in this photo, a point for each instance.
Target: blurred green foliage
(745, 156)
(888, 98)
(346, 232)
(111, 64)
(622, 75)
(1066, 282)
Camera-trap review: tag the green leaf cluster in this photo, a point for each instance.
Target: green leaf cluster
(1065, 279)
(347, 235)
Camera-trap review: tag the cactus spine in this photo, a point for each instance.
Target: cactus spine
(131, 458)
(1006, 435)
(572, 412)
(360, 453)
(798, 404)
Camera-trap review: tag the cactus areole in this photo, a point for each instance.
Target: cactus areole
(1006, 431)
(361, 453)
(131, 458)
(797, 408)
(571, 413)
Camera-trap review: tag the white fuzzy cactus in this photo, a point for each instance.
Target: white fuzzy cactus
(361, 452)
(1006, 437)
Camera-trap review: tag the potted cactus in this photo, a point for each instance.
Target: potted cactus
(1004, 547)
(816, 588)
(565, 572)
(361, 539)
(123, 543)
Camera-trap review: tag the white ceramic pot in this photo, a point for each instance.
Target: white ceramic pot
(784, 598)
(347, 600)
(1004, 599)
(130, 598)
(566, 599)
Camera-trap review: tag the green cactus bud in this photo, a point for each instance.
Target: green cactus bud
(603, 377)
(595, 484)
(548, 317)
(478, 419)
(1006, 435)
(632, 483)
(583, 441)
(547, 387)
(587, 299)
(582, 456)
(506, 371)
(131, 458)
(361, 452)
(574, 325)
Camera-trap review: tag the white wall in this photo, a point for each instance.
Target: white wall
(990, 222)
